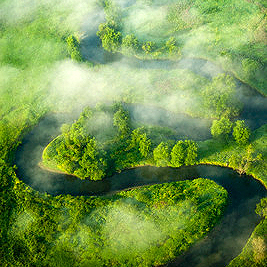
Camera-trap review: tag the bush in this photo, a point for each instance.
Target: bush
(221, 128)
(241, 133)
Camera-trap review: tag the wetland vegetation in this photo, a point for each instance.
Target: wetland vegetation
(190, 80)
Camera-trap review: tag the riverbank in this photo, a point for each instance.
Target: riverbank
(255, 250)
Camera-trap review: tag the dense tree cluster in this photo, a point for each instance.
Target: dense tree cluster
(182, 153)
(240, 132)
(87, 151)
(113, 40)
(223, 127)
(161, 154)
(243, 162)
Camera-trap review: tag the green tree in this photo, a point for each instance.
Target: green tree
(171, 46)
(140, 142)
(91, 164)
(122, 121)
(240, 132)
(261, 208)
(130, 43)
(178, 154)
(184, 153)
(221, 128)
(148, 47)
(242, 162)
(74, 48)
(161, 154)
(191, 152)
(110, 37)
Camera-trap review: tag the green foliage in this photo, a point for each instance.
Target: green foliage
(184, 153)
(30, 45)
(171, 46)
(254, 253)
(242, 163)
(180, 16)
(131, 228)
(261, 208)
(110, 37)
(77, 151)
(74, 48)
(250, 67)
(220, 96)
(91, 164)
(161, 154)
(221, 128)
(148, 47)
(191, 152)
(93, 148)
(241, 133)
(140, 142)
(178, 154)
(129, 43)
(122, 121)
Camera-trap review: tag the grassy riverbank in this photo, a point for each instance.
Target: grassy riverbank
(217, 153)
(215, 30)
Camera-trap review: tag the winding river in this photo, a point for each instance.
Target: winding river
(228, 238)
(222, 244)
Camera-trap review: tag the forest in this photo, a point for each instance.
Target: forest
(173, 84)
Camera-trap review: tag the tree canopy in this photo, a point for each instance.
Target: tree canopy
(241, 133)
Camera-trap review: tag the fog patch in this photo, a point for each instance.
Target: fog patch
(141, 20)
(23, 222)
(127, 230)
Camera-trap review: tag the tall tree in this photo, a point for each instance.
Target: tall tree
(221, 128)
(191, 152)
(122, 121)
(178, 154)
(242, 162)
(240, 132)
(161, 154)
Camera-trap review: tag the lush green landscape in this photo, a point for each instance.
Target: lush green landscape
(42, 70)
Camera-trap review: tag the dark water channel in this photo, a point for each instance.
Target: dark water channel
(223, 243)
